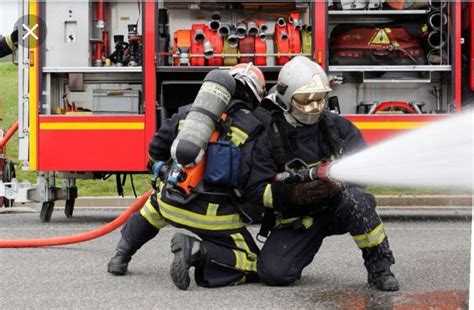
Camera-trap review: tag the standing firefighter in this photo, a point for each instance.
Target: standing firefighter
(300, 211)
(227, 254)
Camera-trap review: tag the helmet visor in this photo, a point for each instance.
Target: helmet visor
(309, 106)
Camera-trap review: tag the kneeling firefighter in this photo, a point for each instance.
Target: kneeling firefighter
(302, 204)
(227, 254)
(8, 44)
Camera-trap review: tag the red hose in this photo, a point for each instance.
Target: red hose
(9, 134)
(99, 232)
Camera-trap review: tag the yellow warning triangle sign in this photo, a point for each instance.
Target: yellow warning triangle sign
(380, 37)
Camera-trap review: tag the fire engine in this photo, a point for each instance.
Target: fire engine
(106, 74)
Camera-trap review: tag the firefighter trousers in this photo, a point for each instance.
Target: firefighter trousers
(295, 246)
(231, 254)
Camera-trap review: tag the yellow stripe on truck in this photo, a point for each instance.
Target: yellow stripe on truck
(92, 126)
(388, 125)
(33, 95)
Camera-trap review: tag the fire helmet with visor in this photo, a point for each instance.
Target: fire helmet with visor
(251, 76)
(302, 89)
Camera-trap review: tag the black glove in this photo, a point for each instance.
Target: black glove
(315, 191)
(286, 196)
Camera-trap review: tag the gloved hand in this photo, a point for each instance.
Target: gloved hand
(315, 191)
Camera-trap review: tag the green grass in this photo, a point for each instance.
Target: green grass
(9, 114)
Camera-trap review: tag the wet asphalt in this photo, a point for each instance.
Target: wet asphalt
(432, 264)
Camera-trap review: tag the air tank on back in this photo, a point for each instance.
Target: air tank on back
(211, 101)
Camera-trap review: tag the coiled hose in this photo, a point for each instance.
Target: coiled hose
(90, 235)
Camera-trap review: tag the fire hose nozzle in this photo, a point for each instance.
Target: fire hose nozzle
(262, 26)
(241, 31)
(216, 15)
(208, 49)
(320, 172)
(295, 21)
(199, 35)
(214, 24)
(224, 30)
(262, 35)
(307, 28)
(281, 22)
(232, 38)
(252, 29)
(302, 173)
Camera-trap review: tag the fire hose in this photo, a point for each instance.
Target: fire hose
(94, 234)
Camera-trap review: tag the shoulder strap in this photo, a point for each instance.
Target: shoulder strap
(281, 149)
(330, 135)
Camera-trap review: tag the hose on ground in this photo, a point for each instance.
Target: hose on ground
(90, 235)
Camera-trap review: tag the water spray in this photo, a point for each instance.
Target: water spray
(439, 155)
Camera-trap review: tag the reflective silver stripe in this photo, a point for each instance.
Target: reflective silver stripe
(238, 136)
(268, 196)
(371, 239)
(152, 216)
(201, 221)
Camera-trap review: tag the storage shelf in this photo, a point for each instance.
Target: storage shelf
(389, 68)
(378, 12)
(187, 69)
(92, 69)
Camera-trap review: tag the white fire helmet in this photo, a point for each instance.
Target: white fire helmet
(251, 76)
(302, 88)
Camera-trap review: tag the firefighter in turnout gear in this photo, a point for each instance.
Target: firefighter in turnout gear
(300, 214)
(8, 44)
(226, 253)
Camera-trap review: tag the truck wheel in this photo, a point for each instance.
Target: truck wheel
(46, 211)
(69, 207)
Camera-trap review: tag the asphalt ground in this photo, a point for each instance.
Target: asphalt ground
(432, 264)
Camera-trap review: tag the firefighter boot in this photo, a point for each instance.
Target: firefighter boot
(188, 251)
(118, 264)
(384, 281)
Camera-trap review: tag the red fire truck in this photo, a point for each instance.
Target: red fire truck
(106, 74)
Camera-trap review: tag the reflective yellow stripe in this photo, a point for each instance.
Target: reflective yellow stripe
(281, 221)
(152, 216)
(237, 192)
(9, 42)
(388, 125)
(268, 196)
(238, 136)
(200, 221)
(180, 124)
(307, 222)
(241, 281)
(244, 260)
(92, 126)
(212, 209)
(371, 239)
